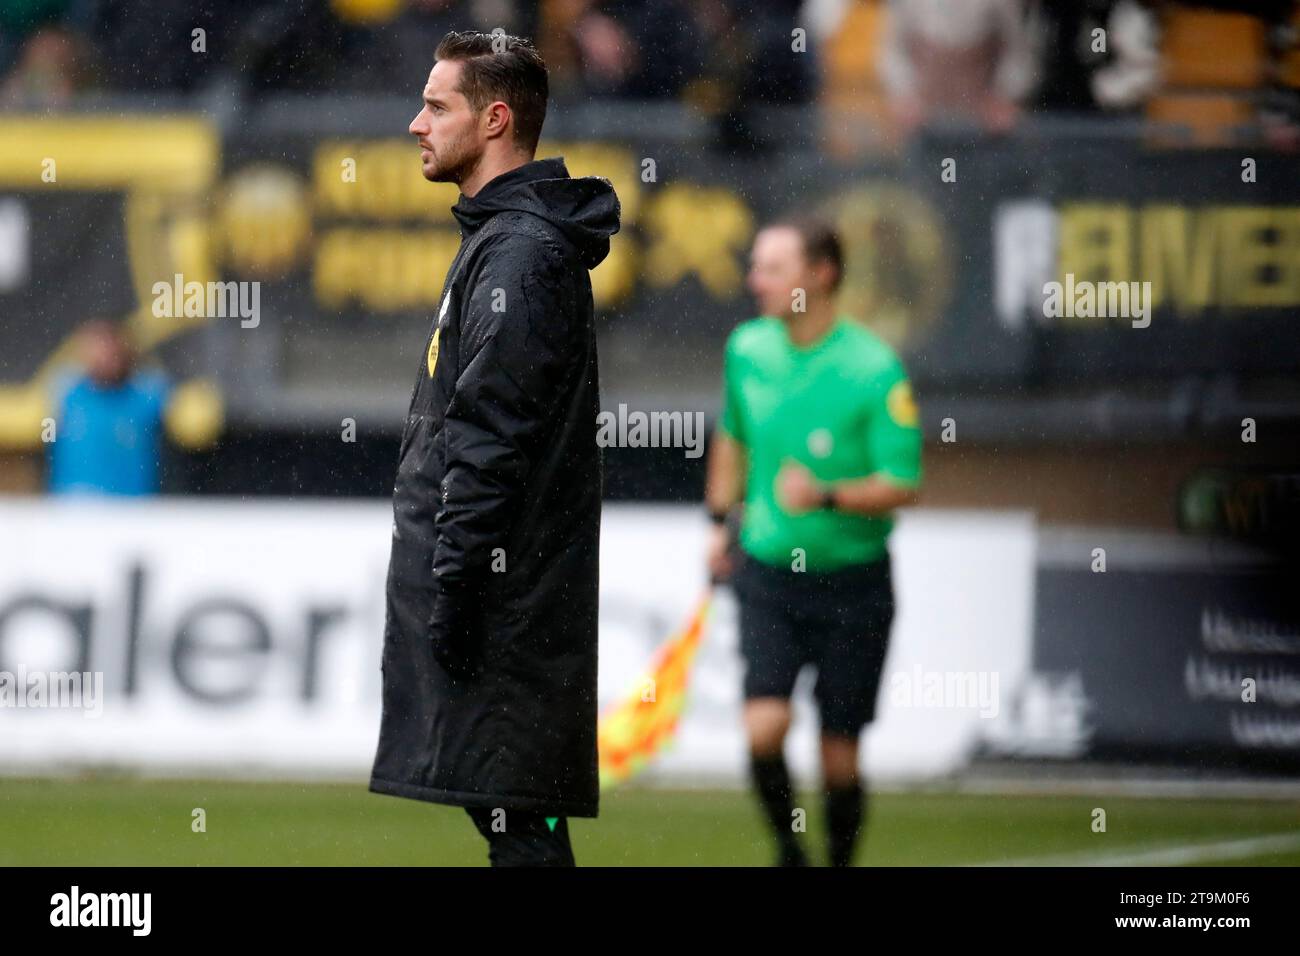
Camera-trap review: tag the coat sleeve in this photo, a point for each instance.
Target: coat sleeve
(515, 353)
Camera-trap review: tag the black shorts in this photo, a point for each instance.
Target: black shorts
(838, 621)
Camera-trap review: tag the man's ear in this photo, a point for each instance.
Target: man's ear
(825, 273)
(496, 119)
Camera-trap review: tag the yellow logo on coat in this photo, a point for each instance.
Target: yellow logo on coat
(433, 343)
(902, 406)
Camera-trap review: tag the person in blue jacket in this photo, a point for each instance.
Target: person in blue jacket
(108, 434)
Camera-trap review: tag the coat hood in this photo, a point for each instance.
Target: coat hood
(585, 209)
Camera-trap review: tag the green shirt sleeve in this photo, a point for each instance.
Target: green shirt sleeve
(732, 420)
(895, 429)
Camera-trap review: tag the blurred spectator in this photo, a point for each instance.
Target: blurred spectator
(777, 73)
(1133, 73)
(1099, 54)
(41, 62)
(854, 106)
(753, 60)
(20, 19)
(50, 68)
(621, 47)
(726, 57)
(109, 419)
(958, 60)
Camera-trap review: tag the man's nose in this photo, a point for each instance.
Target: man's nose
(416, 128)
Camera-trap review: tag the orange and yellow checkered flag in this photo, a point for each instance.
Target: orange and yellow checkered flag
(633, 730)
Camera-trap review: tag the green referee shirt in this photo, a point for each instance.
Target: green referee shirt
(843, 407)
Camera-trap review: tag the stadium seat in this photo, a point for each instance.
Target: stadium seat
(1208, 49)
(1209, 118)
(1212, 64)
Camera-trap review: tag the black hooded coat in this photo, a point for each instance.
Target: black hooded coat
(490, 647)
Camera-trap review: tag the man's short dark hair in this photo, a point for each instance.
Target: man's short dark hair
(821, 243)
(505, 68)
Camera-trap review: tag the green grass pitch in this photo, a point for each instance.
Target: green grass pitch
(105, 821)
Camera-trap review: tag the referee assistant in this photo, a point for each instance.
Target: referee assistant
(820, 439)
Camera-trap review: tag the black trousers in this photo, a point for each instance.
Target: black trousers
(523, 837)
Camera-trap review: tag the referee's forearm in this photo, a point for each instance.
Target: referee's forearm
(724, 486)
(872, 495)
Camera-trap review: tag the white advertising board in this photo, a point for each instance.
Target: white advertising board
(242, 638)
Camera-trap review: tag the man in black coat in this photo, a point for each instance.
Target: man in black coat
(489, 660)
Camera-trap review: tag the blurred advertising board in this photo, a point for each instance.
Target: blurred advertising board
(244, 638)
(1161, 648)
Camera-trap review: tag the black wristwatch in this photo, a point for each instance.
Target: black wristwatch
(828, 498)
